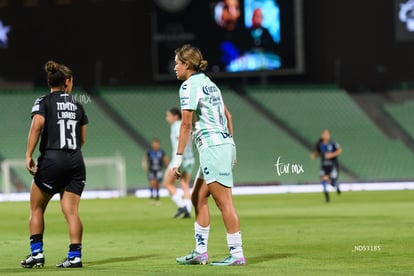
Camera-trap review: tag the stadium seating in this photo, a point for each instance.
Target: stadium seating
(15, 122)
(403, 113)
(259, 143)
(367, 151)
(306, 110)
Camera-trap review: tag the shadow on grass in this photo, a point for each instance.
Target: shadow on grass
(119, 260)
(268, 257)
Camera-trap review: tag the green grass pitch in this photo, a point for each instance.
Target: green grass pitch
(358, 233)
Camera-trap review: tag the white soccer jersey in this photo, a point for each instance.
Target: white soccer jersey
(175, 133)
(200, 94)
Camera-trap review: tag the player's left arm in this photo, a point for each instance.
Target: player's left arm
(83, 135)
(335, 153)
(38, 122)
(185, 130)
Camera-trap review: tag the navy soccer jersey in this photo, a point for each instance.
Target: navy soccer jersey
(64, 117)
(155, 160)
(323, 149)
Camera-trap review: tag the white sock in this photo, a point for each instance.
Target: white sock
(178, 200)
(234, 241)
(188, 204)
(201, 237)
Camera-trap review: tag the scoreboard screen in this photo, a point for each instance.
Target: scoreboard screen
(237, 37)
(404, 20)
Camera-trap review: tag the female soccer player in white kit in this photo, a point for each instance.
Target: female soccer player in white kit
(205, 115)
(184, 205)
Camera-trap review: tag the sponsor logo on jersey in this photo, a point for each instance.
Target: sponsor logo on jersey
(185, 100)
(208, 90)
(224, 174)
(214, 100)
(66, 106)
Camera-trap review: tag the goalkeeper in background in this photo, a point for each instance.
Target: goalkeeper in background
(184, 205)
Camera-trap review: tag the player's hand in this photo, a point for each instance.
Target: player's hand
(329, 155)
(175, 165)
(234, 163)
(31, 165)
(176, 173)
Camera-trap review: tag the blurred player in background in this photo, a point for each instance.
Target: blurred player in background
(206, 117)
(173, 117)
(60, 123)
(154, 163)
(329, 151)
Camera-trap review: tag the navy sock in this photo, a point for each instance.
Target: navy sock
(36, 243)
(75, 250)
(324, 183)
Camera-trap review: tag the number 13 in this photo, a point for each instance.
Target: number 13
(70, 125)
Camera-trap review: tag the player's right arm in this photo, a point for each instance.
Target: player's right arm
(314, 154)
(317, 151)
(38, 121)
(185, 130)
(144, 163)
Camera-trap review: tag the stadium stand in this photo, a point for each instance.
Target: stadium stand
(259, 143)
(308, 110)
(16, 108)
(403, 114)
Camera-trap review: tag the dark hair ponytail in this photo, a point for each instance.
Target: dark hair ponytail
(175, 112)
(57, 74)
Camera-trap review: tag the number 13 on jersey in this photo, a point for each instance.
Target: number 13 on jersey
(67, 128)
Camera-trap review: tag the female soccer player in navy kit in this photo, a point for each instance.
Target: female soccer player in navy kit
(207, 118)
(60, 123)
(154, 162)
(328, 150)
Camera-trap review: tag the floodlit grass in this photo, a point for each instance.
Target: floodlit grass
(358, 233)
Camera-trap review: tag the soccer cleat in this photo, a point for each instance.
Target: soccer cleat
(193, 258)
(182, 211)
(33, 261)
(74, 262)
(230, 261)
